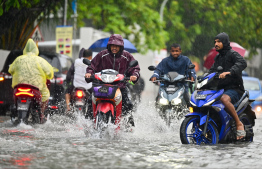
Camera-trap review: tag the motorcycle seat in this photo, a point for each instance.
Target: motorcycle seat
(80, 88)
(246, 94)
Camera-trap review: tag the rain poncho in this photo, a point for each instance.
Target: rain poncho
(31, 69)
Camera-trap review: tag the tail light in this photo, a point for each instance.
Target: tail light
(54, 107)
(1, 102)
(24, 91)
(23, 101)
(58, 80)
(79, 93)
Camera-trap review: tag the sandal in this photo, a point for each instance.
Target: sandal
(241, 133)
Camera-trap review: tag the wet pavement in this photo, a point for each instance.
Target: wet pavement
(70, 143)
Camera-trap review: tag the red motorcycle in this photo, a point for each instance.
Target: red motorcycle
(107, 97)
(27, 104)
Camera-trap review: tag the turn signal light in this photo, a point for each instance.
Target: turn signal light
(191, 109)
(2, 78)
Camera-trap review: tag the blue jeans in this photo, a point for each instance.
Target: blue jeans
(233, 94)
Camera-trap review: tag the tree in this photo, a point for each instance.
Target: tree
(195, 23)
(129, 18)
(17, 18)
(192, 23)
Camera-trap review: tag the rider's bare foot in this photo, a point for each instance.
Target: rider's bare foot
(68, 108)
(240, 131)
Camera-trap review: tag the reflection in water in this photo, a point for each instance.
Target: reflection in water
(22, 160)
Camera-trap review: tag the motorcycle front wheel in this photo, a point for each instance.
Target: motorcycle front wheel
(192, 133)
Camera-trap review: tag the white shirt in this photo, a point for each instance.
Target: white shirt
(79, 77)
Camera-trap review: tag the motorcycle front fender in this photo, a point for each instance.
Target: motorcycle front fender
(105, 107)
(202, 117)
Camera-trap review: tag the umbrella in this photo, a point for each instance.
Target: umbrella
(212, 54)
(102, 43)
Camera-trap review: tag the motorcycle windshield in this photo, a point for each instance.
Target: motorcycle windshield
(174, 76)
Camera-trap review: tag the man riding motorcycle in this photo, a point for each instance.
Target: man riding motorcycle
(75, 76)
(115, 57)
(178, 63)
(31, 69)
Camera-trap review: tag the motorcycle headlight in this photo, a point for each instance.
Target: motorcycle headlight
(201, 84)
(163, 101)
(108, 78)
(176, 101)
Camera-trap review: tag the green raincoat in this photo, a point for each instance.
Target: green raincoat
(31, 69)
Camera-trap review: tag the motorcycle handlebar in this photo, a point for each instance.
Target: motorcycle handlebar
(126, 78)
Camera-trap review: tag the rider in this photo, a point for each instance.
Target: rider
(115, 57)
(31, 69)
(178, 63)
(233, 64)
(75, 75)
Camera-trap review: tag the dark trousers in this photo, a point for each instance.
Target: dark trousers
(187, 98)
(127, 105)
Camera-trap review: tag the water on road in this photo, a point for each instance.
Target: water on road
(66, 143)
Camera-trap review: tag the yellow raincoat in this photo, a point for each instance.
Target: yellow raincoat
(31, 69)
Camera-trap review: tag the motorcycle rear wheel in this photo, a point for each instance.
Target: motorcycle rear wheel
(191, 132)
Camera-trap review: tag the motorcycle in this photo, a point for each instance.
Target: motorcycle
(107, 97)
(79, 98)
(208, 122)
(170, 102)
(135, 92)
(27, 100)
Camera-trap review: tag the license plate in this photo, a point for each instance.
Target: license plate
(170, 89)
(201, 96)
(79, 103)
(103, 90)
(21, 107)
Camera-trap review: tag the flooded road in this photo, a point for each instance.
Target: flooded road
(65, 143)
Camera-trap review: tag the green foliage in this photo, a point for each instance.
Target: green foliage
(17, 19)
(192, 23)
(129, 18)
(195, 23)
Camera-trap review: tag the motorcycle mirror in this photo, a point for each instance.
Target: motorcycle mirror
(86, 62)
(133, 63)
(151, 68)
(192, 66)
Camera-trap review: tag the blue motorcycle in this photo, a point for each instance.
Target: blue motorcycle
(208, 122)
